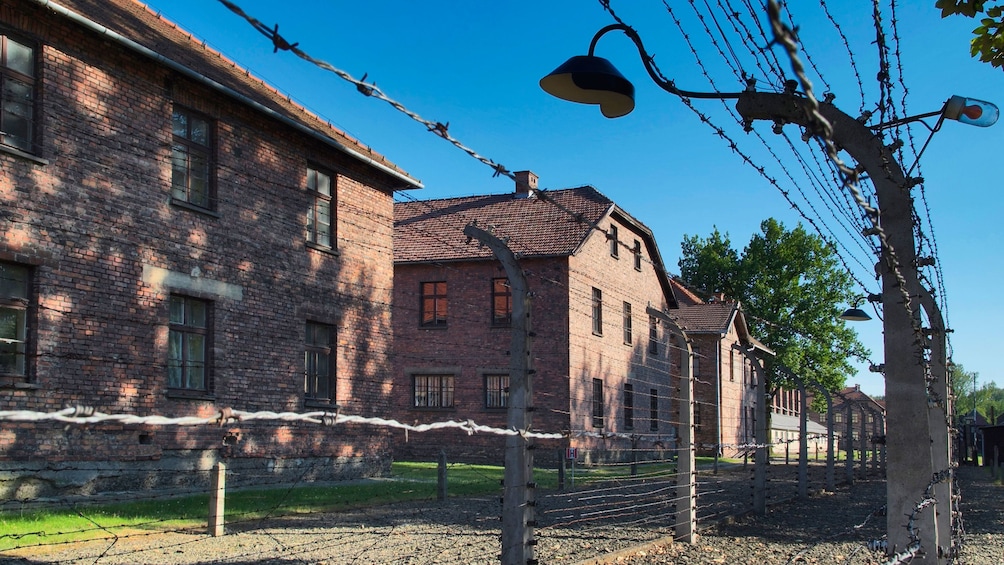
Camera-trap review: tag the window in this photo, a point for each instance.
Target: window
(697, 416)
(628, 337)
(838, 417)
(501, 302)
(318, 363)
(14, 287)
(433, 305)
(17, 104)
(433, 391)
(320, 229)
(496, 391)
(614, 244)
(653, 335)
(653, 410)
(637, 255)
(628, 407)
(191, 150)
(732, 365)
(597, 403)
(697, 360)
(187, 344)
(597, 311)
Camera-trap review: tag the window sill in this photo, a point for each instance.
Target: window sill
(439, 327)
(23, 154)
(193, 208)
(327, 405)
(18, 383)
(434, 409)
(322, 248)
(179, 394)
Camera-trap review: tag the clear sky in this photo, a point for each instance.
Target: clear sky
(476, 65)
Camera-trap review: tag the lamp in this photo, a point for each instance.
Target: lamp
(591, 80)
(588, 79)
(855, 314)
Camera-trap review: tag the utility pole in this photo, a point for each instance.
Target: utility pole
(908, 436)
(518, 495)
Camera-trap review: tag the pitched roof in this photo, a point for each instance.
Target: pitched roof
(711, 317)
(684, 293)
(136, 26)
(854, 394)
(433, 230)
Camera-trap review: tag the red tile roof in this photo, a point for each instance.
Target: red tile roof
(712, 317)
(684, 294)
(137, 23)
(433, 230)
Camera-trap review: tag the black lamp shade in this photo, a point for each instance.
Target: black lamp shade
(855, 315)
(591, 80)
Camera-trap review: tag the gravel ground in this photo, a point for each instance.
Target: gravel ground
(821, 529)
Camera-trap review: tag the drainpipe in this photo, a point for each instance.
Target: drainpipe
(718, 402)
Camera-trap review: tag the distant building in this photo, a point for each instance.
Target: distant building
(601, 352)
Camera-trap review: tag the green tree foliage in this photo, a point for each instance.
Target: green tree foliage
(792, 288)
(989, 398)
(988, 37)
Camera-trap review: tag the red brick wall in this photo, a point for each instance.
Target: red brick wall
(97, 212)
(469, 346)
(567, 356)
(607, 357)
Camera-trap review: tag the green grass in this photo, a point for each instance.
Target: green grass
(409, 481)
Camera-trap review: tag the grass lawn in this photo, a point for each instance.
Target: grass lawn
(409, 481)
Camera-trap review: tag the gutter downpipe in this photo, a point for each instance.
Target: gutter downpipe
(718, 401)
(174, 65)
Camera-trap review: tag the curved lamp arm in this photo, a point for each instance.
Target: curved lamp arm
(646, 59)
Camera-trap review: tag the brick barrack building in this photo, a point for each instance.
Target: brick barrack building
(179, 237)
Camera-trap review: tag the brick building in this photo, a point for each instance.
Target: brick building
(724, 379)
(179, 237)
(600, 350)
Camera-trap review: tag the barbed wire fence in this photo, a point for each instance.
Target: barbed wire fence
(581, 510)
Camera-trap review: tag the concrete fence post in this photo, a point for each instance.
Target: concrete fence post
(442, 491)
(217, 496)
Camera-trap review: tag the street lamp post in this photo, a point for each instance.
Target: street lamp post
(591, 80)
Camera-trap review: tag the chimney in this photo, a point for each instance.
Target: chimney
(526, 184)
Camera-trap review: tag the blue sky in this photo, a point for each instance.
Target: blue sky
(476, 65)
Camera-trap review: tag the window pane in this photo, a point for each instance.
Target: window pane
(20, 58)
(196, 349)
(174, 347)
(12, 336)
(196, 313)
(199, 183)
(179, 172)
(323, 184)
(13, 281)
(177, 310)
(200, 131)
(179, 123)
(447, 391)
(17, 113)
(428, 313)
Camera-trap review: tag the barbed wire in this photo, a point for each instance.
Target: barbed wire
(88, 415)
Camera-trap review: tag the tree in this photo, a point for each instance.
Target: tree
(988, 398)
(791, 286)
(988, 37)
